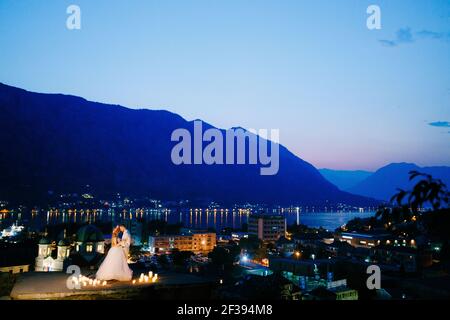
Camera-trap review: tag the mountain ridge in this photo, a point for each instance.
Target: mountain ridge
(344, 179)
(385, 182)
(63, 142)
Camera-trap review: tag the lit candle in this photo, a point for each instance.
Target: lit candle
(150, 274)
(134, 281)
(104, 283)
(146, 278)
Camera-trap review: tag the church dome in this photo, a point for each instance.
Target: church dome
(44, 241)
(89, 233)
(64, 242)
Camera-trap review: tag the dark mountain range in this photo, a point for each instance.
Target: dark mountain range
(385, 181)
(60, 143)
(345, 179)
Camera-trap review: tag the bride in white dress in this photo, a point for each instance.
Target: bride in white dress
(115, 266)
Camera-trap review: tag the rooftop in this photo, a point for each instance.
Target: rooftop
(371, 235)
(89, 233)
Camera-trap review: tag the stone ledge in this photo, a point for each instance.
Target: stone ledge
(52, 285)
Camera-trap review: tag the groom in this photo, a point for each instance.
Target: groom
(125, 241)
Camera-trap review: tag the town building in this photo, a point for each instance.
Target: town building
(366, 240)
(285, 246)
(11, 232)
(339, 293)
(302, 267)
(254, 287)
(88, 248)
(16, 258)
(236, 236)
(314, 278)
(267, 227)
(90, 242)
(233, 236)
(135, 229)
(408, 259)
(195, 241)
(46, 259)
(14, 268)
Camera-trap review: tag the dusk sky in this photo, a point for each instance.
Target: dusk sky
(342, 96)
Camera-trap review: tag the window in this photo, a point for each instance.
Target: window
(89, 248)
(99, 247)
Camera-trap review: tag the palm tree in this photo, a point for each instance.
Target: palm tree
(399, 196)
(384, 214)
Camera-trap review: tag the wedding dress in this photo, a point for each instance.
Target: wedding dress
(115, 266)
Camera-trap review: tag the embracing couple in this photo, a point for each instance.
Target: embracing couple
(115, 265)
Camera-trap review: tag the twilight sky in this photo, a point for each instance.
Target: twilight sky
(343, 96)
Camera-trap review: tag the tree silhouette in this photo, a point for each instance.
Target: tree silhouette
(428, 190)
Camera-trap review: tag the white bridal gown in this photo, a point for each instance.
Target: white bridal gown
(115, 266)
